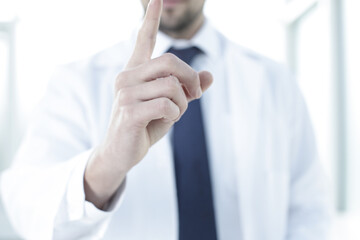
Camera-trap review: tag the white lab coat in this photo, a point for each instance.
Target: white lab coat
(268, 183)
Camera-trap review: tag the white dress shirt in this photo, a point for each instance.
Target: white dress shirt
(267, 181)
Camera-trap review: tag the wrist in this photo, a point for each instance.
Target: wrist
(101, 180)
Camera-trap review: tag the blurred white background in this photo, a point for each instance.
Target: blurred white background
(318, 39)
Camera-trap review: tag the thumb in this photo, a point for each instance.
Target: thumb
(206, 79)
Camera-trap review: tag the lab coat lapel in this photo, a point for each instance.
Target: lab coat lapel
(245, 93)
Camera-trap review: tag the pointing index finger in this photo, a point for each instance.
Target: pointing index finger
(146, 38)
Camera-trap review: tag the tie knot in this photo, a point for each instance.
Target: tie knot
(185, 54)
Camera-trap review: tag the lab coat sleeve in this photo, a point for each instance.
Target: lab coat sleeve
(310, 201)
(43, 190)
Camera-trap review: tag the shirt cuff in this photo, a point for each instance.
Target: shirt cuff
(78, 207)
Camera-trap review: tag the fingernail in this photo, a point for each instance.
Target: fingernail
(199, 92)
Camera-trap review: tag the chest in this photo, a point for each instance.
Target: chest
(246, 141)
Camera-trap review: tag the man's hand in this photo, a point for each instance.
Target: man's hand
(150, 96)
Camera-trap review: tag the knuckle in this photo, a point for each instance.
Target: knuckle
(172, 85)
(124, 95)
(170, 58)
(164, 105)
(185, 105)
(120, 79)
(120, 76)
(195, 76)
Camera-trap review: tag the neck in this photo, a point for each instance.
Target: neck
(188, 32)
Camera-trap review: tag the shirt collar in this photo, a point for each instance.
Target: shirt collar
(206, 39)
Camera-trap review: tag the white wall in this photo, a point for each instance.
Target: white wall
(352, 32)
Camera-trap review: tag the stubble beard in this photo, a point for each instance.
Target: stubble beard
(182, 24)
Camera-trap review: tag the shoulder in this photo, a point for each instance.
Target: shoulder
(114, 56)
(247, 60)
(276, 82)
(243, 55)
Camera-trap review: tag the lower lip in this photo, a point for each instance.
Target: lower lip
(171, 3)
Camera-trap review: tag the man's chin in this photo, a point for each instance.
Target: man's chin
(175, 23)
(171, 27)
(167, 24)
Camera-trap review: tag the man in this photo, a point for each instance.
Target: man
(116, 151)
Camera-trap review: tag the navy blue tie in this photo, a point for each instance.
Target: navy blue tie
(193, 181)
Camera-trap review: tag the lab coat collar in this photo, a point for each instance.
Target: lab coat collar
(207, 39)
